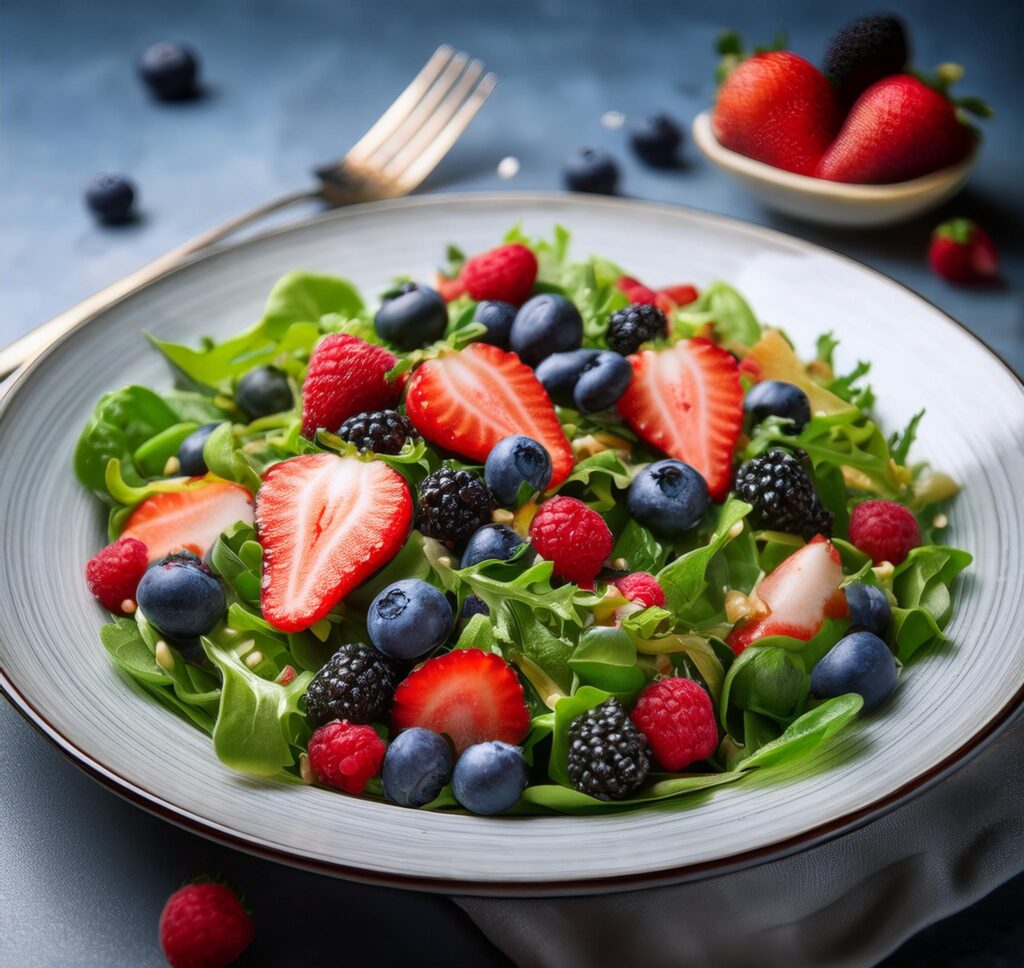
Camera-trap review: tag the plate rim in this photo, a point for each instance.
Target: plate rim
(210, 829)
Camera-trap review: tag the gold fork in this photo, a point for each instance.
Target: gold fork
(390, 160)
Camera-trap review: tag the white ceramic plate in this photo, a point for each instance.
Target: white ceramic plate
(57, 673)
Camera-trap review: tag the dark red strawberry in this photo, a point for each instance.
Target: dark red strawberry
(466, 401)
(960, 251)
(778, 108)
(191, 520)
(325, 523)
(345, 377)
(686, 400)
(898, 129)
(470, 695)
(505, 274)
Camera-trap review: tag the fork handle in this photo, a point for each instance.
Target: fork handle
(29, 346)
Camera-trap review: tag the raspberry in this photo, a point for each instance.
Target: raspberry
(355, 684)
(380, 431)
(113, 574)
(505, 274)
(204, 926)
(641, 587)
(636, 291)
(678, 720)
(884, 530)
(573, 537)
(345, 756)
(629, 328)
(452, 505)
(608, 756)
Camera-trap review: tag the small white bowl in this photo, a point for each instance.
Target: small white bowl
(829, 202)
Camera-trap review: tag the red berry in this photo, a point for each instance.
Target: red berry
(678, 720)
(884, 530)
(680, 295)
(450, 289)
(114, 573)
(636, 291)
(962, 252)
(505, 274)
(345, 756)
(573, 537)
(204, 926)
(641, 587)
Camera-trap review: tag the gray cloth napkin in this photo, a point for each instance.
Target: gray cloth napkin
(847, 902)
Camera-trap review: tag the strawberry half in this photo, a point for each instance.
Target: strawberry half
(191, 520)
(686, 400)
(345, 377)
(471, 695)
(799, 595)
(326, 523)
(466, 401)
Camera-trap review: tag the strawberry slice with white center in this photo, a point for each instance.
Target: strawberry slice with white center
(326, 523)
(189, 520)
(471, 695)
(687, 401)
(799, 595)
(466, 401)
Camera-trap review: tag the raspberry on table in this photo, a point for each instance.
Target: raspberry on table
(573, 537)
(633, 326)
(678, 719)
(204, 925)
(379, 431)
(609, 757)
(782, 495)
(884, 530)
(453, 504)
(345, 755)
(113, 574)
(355, 684)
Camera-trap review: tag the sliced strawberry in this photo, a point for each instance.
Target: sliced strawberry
(325, 523)
(799, 595)
(687, 401)
(467, 401)
(345, 377)
(471, 695)
(450, 289)
(636, 291)
(190, 520)
(670, 298)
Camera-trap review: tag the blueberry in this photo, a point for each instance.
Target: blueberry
(491, 542)
(544, 325)
(190, 452)
(559, 372)
(591, 170)
(181, 597)
(497, 317)
(774, 398)
(417, 766)
(861, 663)
(264, 391)
(170, 71)
(490, 777)
(473, 606)
(408, 619)
(604, 379)
(668, 497)
(656, 140)
(110, 198)
(869, 608)
(412, 317)
(513, 462)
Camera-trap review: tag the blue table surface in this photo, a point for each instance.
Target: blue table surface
(288, 86)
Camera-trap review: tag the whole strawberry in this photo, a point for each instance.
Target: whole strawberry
(572, 536)
(504, 274)
(678, 720)
(777, 108)
(962, 252)
(898, 129)
(204, 926)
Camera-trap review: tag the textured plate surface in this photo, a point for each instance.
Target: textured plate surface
(57, 672)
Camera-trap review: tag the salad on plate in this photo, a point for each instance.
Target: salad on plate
(534, 538)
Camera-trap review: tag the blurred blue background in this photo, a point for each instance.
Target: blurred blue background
(289, 85)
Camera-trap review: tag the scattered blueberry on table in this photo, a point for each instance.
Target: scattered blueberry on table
(656, 139)
(111, 198)
(170, 71)
(591, 170)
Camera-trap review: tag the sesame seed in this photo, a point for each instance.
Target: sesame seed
(940, 521)
(508, 168)
(164, 656)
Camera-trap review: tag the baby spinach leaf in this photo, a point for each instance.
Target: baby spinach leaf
(122, 639)
(197, 408)
(152, 456)
(922, 584)
(641, 550)
(227, 460)
(564, 799)
(606, 658)
(516, 624)
(305, 297)
(237, 557)
(124, 493)
(766, 680)
(596, 478)
(478, 633)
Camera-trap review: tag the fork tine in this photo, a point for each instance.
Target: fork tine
(427, 161)
(400, 108)
(442, 113)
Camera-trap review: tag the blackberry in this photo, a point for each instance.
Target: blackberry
(782, 495)
(608, 756)
(382, 431)
(635, 324)
(355, 684)
(452, 505)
